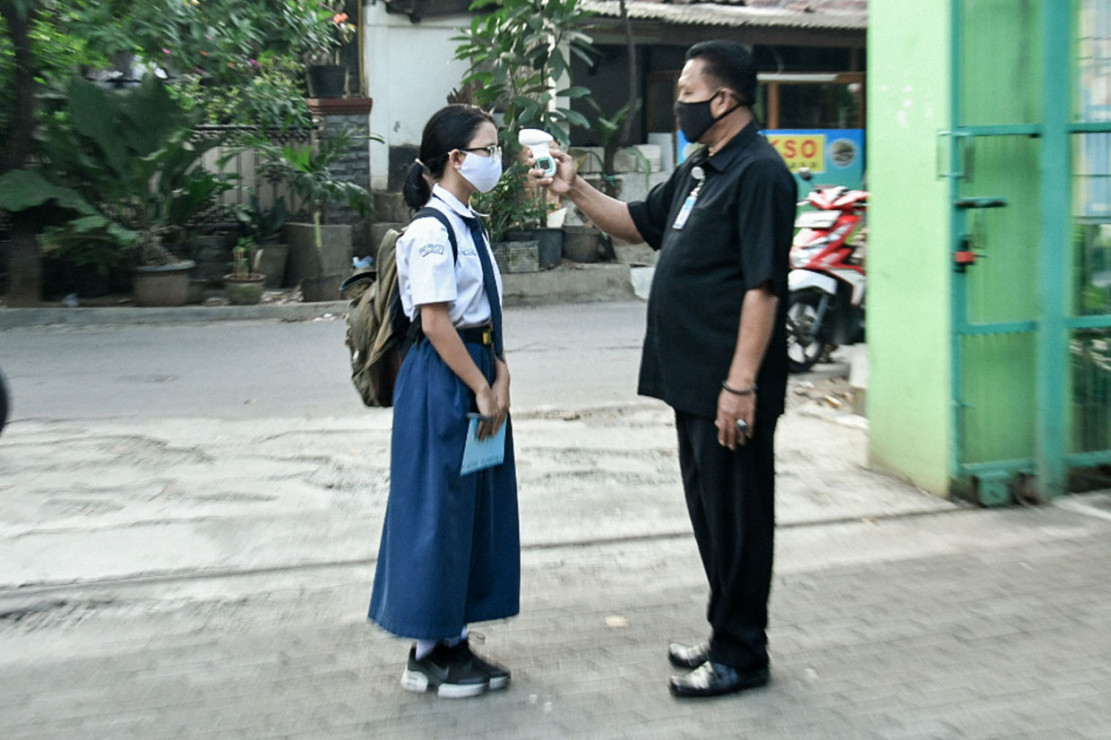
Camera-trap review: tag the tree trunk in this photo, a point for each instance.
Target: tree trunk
(24, 261)
(20, 137)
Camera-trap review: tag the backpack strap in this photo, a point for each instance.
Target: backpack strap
(413, 335)
(436, 213)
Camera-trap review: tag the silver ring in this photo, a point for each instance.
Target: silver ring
(742, 426)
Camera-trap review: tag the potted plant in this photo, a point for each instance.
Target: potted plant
(244, 284)
(511, 206)
(516, 50)
(322, 261)
(123, 180)
(264, 226)
(516, 53)
(326, 74)
(513, 211)
(609, 129)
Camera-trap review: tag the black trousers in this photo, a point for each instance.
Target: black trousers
(731, 501)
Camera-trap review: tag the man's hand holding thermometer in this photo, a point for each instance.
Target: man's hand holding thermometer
(539, 142)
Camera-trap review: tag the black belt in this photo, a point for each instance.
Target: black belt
(483, 335)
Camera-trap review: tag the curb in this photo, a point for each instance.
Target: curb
(11, 318)
(572, 283)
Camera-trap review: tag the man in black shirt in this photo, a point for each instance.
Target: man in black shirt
(715, 349)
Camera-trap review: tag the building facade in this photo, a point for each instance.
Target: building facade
(989, 319)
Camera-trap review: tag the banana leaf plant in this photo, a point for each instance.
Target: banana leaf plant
(119, 176)
(610, 128)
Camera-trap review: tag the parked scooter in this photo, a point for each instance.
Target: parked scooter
(827, 279)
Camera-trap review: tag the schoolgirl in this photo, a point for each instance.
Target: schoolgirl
(450, 552)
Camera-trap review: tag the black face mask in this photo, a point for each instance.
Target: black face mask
(695, 119)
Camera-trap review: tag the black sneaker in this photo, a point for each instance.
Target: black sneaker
(453, 674)
(498, 676)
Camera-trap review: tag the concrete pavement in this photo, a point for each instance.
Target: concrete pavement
(199, 575)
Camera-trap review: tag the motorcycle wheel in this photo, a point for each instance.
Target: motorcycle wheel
(806, 339)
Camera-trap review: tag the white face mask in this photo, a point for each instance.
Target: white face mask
(482, 172)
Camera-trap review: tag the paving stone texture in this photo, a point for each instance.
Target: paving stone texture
(208, 578)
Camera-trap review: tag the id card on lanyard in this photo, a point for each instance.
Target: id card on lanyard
(688, 205)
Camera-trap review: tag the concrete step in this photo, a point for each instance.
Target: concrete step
(858, 379)
(389, 206)
(570, 282)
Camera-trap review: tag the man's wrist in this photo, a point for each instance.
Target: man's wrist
(739, 390)
(578, 188)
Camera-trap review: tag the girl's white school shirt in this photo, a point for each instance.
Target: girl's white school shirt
(426, 271)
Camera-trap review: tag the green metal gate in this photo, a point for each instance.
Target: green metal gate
(1028, 155)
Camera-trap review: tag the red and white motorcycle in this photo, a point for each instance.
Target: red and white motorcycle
(827, 279)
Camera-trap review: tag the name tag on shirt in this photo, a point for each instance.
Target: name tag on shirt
(685, 211)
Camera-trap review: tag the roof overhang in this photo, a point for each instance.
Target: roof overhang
(675, 23)
(417, 9)
(684, 23)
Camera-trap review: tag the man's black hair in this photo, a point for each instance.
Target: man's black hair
(730, 64)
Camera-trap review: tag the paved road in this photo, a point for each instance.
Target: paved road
(189, 521)
(567, 355)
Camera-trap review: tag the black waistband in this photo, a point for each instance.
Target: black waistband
(478, 334)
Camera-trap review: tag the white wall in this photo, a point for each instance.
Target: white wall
(410, 72)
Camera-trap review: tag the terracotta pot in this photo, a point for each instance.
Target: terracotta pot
(245, 289)
(549, 244)
(582, 243)
(161, 285)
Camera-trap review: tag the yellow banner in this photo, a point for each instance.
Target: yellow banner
(801, 150)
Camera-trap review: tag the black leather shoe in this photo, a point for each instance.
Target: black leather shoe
(688, 656)
(715, 679)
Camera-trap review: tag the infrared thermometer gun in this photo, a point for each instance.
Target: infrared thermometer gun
(539, 142)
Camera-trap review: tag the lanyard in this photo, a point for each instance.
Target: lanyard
(688, 205)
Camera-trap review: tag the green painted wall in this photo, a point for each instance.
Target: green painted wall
(908, 242)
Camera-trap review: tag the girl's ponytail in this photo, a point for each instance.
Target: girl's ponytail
(417, 189)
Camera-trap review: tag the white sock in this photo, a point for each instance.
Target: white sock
(456, 640)
(424, 647)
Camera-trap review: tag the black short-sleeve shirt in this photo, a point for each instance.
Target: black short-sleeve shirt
(736, 237)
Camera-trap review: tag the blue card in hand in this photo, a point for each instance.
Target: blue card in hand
(482, 453)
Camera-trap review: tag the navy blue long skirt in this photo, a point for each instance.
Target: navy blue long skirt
(451, 548)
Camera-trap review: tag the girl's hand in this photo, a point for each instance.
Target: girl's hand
(488, 413)
(501, 394)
